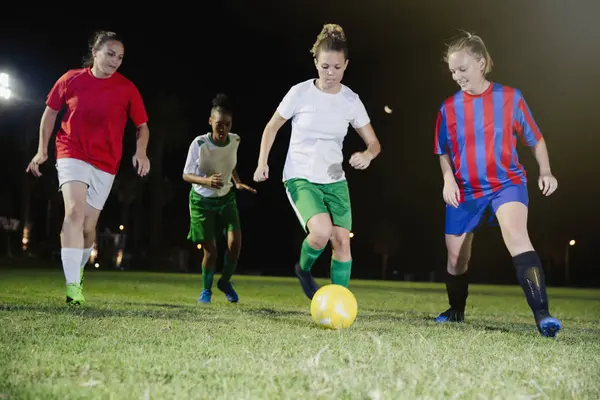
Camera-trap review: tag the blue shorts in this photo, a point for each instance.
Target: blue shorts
(470, 214)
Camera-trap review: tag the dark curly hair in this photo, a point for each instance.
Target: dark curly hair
(222, 103)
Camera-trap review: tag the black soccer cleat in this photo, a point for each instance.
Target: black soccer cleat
(307, 281)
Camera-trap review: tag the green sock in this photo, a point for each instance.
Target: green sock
(308, 255)
(228, 268)
(340, 272)
(207, 279)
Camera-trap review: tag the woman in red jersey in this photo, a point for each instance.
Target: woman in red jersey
(99, 101)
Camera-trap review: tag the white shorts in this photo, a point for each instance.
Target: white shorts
(99, 182)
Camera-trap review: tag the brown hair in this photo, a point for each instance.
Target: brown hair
(331, 38)
(96, 43)
(474, 45)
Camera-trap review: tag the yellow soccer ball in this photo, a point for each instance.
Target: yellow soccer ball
(334, 307)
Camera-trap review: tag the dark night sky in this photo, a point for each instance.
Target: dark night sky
(254, 51)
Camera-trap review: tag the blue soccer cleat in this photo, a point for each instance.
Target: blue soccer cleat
(549, 326)
(205, 296)
(450, 315)
(227, 288)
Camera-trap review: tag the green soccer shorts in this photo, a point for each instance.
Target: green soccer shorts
(309, 199)
(210, 216)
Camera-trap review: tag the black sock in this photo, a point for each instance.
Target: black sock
(531, 278)
(458, 290)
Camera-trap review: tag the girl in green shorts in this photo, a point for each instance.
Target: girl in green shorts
(210, 168)
(321, 110)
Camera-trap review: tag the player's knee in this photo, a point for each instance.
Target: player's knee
(89, 229)
(518, 242)
(341, 243)
(319, 237)
(74, 215)
(234, 243)
(89, 233)
(457, 262)
(233, 249)
(210, 249)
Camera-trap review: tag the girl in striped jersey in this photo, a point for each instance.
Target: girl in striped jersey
(476, 134)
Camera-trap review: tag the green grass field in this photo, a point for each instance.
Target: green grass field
(143, 336)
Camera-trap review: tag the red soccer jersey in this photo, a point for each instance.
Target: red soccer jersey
(93, 126)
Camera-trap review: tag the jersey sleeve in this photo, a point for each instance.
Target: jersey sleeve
(191, 162)
(525, 125)
(137, 110)
(440, 145)
(57, 96)
(360, 116)
(289, 104)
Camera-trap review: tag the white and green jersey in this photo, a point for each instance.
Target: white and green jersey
(206, 158)
(319, 125)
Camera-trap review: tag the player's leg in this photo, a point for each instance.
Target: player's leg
(341, 258)
(319, 227)
(203, 218)
(337, 200)
(231, 221)
(91, 216)
(99, 189)
(461, 223)
(457, 279)
(74, 177)
(511, 206)
(307, 201)
(209, 264)
(234, 242)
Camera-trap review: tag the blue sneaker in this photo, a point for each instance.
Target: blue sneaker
(307, 281)
(450, 315)
(227, 288)
(205, 296)
(549, 326)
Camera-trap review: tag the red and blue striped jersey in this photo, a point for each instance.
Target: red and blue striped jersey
(479, 132)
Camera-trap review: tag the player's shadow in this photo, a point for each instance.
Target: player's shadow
(406, 316)
(271, 312)
(92, 312)
(153, 311)
(165, 305)
(473, 290)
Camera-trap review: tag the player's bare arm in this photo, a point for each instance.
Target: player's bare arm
(238, 182)
(46, 128)
(546, 181)
(361, 160)
(140, 158)
(273, 126)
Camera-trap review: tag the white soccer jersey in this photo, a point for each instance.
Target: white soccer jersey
(319, 125)
(206, 158)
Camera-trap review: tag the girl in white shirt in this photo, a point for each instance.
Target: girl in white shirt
(321, 110)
